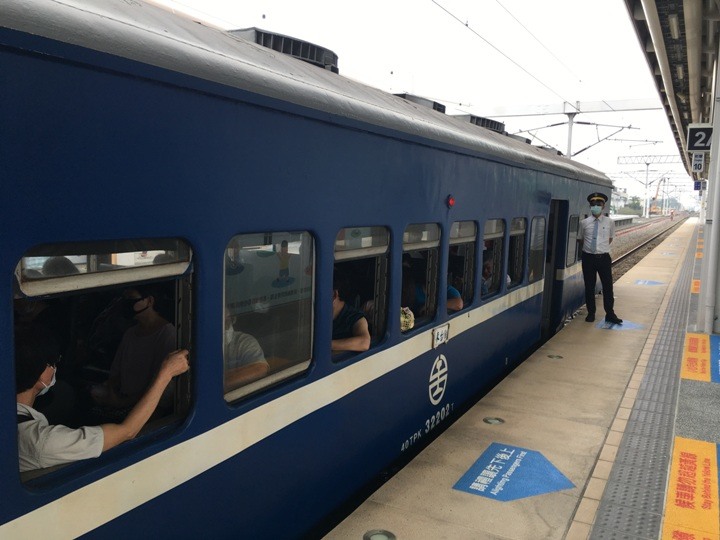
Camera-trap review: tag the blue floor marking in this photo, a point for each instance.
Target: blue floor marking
(715, 359)
(626, 325)
(648, 282)
(506, 473)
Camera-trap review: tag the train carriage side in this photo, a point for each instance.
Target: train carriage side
(113, 162)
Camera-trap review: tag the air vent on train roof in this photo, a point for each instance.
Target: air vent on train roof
(429, 103)
(487, 123)
(308, 52)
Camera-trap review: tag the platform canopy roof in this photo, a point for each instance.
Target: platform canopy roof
(680, 41)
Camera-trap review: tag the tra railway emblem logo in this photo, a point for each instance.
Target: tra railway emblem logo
(438, 379)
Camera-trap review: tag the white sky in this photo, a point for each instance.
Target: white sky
(540, 53)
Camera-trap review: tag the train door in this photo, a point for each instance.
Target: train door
(556, 231)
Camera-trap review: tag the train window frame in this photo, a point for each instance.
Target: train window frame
(536, 251)
(89, 265)
(369, 243)
(493, 230)
(77, 297)
(516, 251)
(257, 247)
(571, 255)
(421, 263)
(463, 238)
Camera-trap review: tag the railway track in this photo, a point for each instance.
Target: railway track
(638, 242)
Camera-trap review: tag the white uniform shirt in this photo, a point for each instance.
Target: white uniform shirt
(41, 445)
(606, 232)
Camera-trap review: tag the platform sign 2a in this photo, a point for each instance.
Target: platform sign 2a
(506, 473)
(699, 137)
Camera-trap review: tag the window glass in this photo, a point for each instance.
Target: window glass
(267, 334)
(419, 274)
(110, 340)
(53, 268)
(516, 261)
(537, 249)
(492, 270)
(461, 265)
(572, 244)
(361, 263)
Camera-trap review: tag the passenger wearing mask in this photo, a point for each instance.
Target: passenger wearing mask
(138, 358)
(41, 444)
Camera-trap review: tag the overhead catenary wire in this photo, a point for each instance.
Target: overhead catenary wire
(466, 25)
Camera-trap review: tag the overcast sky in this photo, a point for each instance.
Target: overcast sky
(481, 57)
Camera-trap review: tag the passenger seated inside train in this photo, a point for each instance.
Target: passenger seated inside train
(350, 327)
(244, 358)
(454, 299)
(139, 356)
(414, 295)
(41, 444)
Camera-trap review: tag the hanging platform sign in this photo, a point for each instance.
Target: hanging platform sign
(699, 137)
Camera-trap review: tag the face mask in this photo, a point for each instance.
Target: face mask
(596, 210)
(129, 307)
(48, 386)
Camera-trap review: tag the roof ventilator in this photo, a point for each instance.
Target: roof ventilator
(429, 103)
(297, 48)
(487, 123)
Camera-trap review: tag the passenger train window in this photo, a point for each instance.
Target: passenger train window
(268, 311)
(55, 268)
(492, 269)
(114, 314)
(572, 244)
(361, 259)
(516, 260)
(421, 244)
(461, 263)
(537, 249)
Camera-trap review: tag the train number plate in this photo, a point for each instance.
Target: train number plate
(441, 335)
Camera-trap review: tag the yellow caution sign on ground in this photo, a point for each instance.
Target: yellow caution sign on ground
(696, 358)
(695, 288)
(691, 505)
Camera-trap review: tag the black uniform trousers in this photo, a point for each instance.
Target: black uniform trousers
(592, 266)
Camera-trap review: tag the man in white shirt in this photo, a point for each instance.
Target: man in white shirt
(596, 234)
(41, 444)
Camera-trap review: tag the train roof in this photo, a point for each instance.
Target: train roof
(152, 35)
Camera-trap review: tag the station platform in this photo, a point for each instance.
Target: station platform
(604, 432)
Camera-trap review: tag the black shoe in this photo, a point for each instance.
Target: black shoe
(614, 319)
(590, 317)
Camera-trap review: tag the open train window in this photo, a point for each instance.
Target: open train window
(537, 249)
(421, 244)
(75, 296)
(516, 260)
(361, 261)
(572, 244)
(461, 264)
(268, 311)
(492, 270)
(56, 268)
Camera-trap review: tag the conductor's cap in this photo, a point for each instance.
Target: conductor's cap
(601, 197)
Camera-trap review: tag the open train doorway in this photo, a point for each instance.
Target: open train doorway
(557, 223)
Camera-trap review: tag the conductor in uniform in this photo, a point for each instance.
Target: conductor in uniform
(596, 234)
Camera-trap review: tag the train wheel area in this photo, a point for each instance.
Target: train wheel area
(606, 431)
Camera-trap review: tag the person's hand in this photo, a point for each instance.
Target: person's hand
(176, 363)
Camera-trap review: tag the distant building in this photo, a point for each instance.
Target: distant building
(618, 199)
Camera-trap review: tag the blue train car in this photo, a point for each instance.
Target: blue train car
(147, 150)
